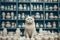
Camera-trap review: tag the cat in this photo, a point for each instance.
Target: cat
(30, 27)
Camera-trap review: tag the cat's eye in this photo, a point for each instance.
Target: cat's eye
(27, 19)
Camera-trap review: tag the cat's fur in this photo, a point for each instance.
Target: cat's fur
(30, 27)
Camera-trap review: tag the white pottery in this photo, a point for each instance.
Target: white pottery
(46, 15)
(34, 7)
(4, 32)
(41, 7)
(37, 25)
(8, 7)
(23, 25)
(14, 0)
(28, 8)
(10, 0)
(55, 17)
(55, 7)
(19, 16)
(32, 39)
(34, 0)
(51, 16)
(2, 7)
(25, 7)
(14, 7)
(54, 24)
(45, 25)
(5, 8)
(49, 25)
(11, 7)
(18, 32)
(15, 37)
(3, 24)
(8, 24)
(3, 15)
(37, 15)
(55, 0)
(13, 24)
(12, 15)
(8, 15)
(37, 7)
(4, 38)
(20, 7)
(23, 15)
(0, 37)
(47, 7)
(42, 16)
(19, 25)
(51, 0)
(15, 17)
(50, 7)
(45, 0)
(41, 25)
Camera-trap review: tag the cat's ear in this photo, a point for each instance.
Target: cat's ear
(27, 16)
(32, 16)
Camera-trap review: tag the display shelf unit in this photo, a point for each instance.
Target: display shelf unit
(31, 12)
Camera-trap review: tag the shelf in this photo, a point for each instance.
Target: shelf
(9, 2)
(9, 19)
(23, 10)
(8, 10)
(36, 28)
(52, 10)
(36, 2)
(30, 12)
(37, 10)
(51, 19)
(51, 28)
(52, 2)
(24, 2)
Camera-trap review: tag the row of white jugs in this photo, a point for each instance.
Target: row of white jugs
(9, 24)
(26, 7)
(31, 0)
(37, 15)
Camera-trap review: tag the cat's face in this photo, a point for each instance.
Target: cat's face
(29, 19)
